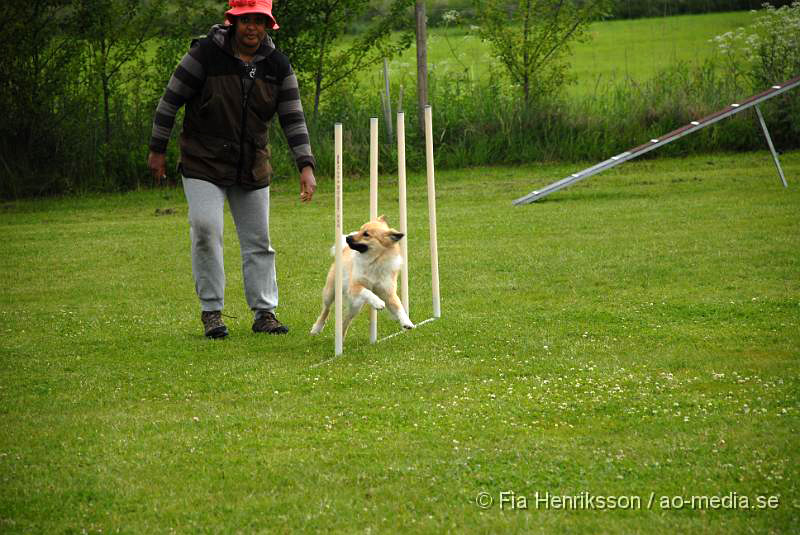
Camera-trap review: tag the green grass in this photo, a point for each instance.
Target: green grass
(639, 49)
(634, 334)
(618, 50)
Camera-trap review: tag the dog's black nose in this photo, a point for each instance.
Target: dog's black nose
(349, 239)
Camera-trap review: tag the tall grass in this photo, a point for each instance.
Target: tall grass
(479, 122)
(634, 81)
(478, 119)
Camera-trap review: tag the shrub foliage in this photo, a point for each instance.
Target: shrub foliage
(79, 83)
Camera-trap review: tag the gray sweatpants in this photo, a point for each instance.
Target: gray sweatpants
(250, 210)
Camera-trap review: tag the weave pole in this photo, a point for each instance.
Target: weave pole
(339, 226)
(428, 118)
(337, 149)
(401, 183)
(373, 207)
(437, 311)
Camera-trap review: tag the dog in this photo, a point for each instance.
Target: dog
(371, 261)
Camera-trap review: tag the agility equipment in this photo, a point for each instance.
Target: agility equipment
(338, 234)
(373, 207)
(738, 107)
(373, 213)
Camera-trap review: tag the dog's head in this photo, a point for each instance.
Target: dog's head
(375, 237)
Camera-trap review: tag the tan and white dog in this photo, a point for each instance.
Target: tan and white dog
(371, 261)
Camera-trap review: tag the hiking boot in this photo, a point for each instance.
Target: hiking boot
(266, 322)
(213, 325)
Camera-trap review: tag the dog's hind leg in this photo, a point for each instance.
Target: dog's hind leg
(323, 317)
(328, 295)
(350, 313)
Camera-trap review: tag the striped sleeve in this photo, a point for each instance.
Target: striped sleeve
(293, 121)
(186, 81)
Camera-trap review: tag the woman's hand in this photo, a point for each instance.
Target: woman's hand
(308, 184)
(157, 162)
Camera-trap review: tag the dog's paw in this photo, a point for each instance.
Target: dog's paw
(408, 326)
(378, 303)
(316, 329)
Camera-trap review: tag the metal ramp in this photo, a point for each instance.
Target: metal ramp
(653, 144)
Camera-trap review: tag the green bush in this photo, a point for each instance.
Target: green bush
(54, 141)
(477, 122)
(768, 53)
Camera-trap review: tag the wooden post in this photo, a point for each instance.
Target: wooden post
(437, 313)
(400, 100)
(338, 216)
(373, 207)
(422, 64)
(403, 224)
(387, 102)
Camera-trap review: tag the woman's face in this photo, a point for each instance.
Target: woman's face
(251, 30)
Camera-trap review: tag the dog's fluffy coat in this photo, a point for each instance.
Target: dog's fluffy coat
(371, 261)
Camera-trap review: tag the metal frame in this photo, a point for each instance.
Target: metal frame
(630, 154)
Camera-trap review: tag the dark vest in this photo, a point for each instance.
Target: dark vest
(225, 130)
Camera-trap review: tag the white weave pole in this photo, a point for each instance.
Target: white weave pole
(373, 207)
(437, 312)
(401, 182)
(337, 149)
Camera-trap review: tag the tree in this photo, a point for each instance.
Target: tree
(533, 39)
(311, 30)
(114, 32)
(39, 77)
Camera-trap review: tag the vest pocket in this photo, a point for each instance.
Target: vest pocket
(260, 163)
(209, 157)
(211, 147)
(262, 168)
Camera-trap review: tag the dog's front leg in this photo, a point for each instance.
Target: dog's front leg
(397, 310)
(363, 295)
(359, 295)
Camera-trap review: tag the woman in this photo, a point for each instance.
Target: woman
(233, 82)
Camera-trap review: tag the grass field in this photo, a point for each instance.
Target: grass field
(634, 336)
(618, 50)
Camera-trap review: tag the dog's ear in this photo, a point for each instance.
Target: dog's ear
(383, 218)
(396, 236)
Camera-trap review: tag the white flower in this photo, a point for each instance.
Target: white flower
(451, 17)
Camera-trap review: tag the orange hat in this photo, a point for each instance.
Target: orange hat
(241, 7)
